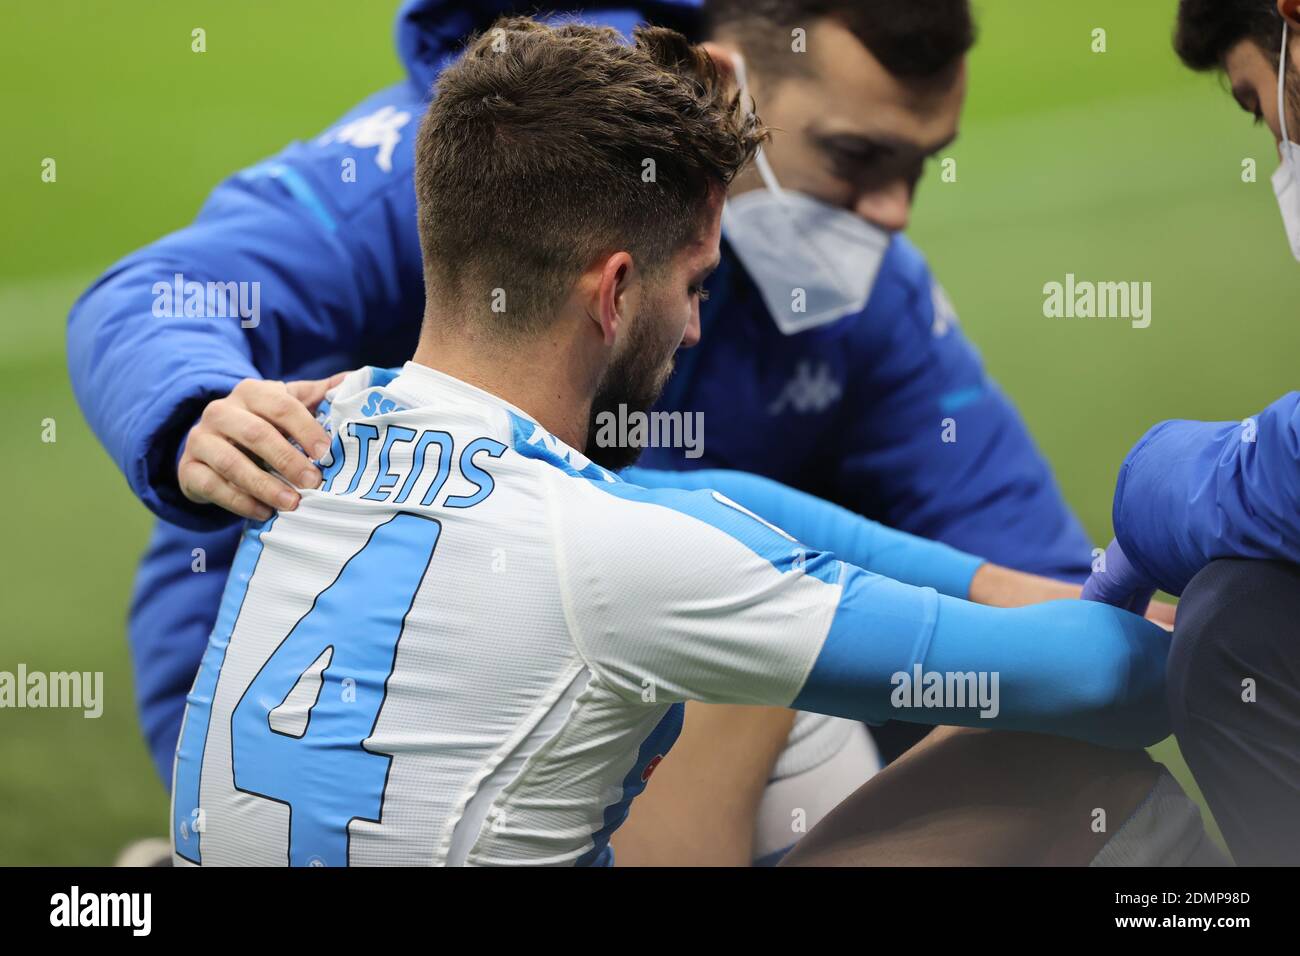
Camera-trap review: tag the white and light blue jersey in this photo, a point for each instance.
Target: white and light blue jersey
(471, 646)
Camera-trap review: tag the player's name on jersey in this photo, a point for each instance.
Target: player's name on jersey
(391, 463)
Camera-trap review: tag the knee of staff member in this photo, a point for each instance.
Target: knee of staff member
(1234, 644)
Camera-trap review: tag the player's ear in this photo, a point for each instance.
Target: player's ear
(1290, 11)
(724, 61)
(617, 295)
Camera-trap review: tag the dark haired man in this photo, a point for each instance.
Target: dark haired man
(1211, 510)
(380, 690)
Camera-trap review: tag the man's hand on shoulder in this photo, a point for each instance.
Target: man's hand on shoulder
(251, 429)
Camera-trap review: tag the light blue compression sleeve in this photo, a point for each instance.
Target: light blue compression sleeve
(828, 527)
(1075, 668)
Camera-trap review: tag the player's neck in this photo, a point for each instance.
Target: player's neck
(537, 379)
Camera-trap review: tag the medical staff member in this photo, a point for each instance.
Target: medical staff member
(1211, 510)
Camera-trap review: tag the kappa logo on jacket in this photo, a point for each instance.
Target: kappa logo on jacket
(812, 390)
(381, 128)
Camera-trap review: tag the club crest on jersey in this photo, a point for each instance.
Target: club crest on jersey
(376, 404)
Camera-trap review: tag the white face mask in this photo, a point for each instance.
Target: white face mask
(1285, 179)
(813, 263)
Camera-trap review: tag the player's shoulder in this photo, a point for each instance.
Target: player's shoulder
(658, 535)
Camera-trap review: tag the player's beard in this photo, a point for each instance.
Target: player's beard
(634, 379)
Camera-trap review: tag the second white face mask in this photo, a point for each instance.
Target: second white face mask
(1285, 186)
(1288, 201)
(812, 262)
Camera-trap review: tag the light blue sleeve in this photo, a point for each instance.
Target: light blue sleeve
(751, 616)
(828, 527)
(1074, 668)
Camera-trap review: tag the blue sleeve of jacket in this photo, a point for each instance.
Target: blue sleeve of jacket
(1190, 492)
(1074, 668)
(321, 247)
(933, 447)
(828, 527)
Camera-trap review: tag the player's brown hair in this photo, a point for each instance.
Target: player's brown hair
(548, 146)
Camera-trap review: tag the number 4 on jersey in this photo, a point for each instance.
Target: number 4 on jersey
(313, 756)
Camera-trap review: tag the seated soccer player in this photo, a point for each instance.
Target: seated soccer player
(473, 643)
